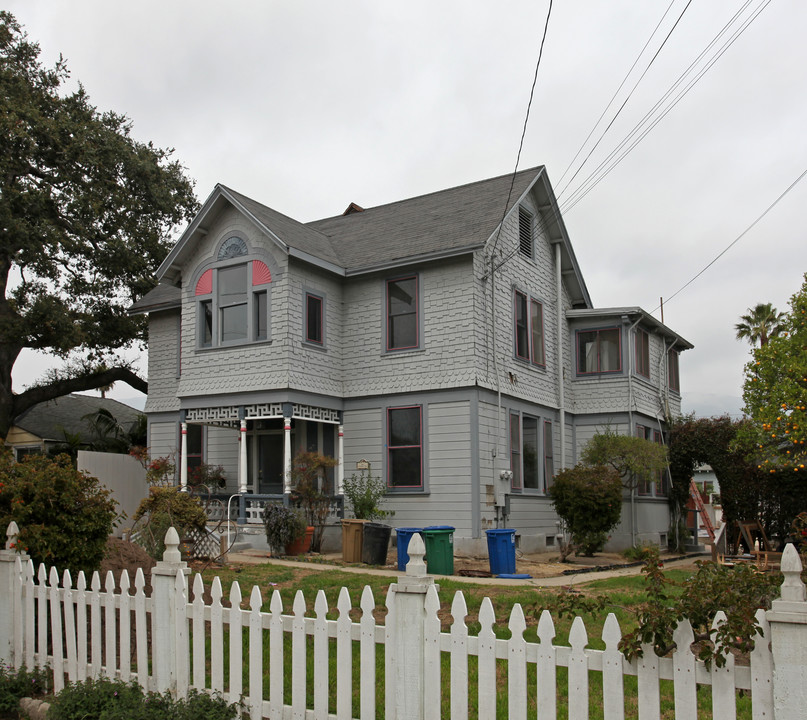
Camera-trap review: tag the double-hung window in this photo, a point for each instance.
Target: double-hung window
(528, 319)
(644, 486)
(598, 351)
(405, 448)
(642, 352)
(402, 313)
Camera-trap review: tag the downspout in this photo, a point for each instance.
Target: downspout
(495, 361)
(631, 368)
(561, 366)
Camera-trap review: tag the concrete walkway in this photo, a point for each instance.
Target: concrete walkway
(257, 557)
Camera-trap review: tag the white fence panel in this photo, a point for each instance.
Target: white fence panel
(55, 624)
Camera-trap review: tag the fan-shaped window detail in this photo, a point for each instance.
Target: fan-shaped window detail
(205, 284)
(260, 273)
(232, 247)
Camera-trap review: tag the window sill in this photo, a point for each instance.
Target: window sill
(402, 351)
(231, 346)
(395, 492)
(320, 347)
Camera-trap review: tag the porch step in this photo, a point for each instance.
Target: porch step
(247, 537)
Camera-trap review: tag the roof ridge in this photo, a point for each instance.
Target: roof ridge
(366, 210)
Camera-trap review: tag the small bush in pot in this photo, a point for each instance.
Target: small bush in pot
(283, 526)
(365, 494)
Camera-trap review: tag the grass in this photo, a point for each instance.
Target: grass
(623, 596)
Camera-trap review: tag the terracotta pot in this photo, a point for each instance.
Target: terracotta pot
(302, 544)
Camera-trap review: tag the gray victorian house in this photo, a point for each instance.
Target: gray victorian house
(448, 340)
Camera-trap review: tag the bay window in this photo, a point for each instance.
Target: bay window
(233, 300)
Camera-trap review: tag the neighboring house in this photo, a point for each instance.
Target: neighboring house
(464, 361)
(69, 421)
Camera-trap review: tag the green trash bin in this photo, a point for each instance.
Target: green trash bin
(439, 541)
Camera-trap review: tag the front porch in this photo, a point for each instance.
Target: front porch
(259, 444)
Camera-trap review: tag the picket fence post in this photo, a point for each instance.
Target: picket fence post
(788, 631)
(408, 607)
(164, 616)
(11, 605)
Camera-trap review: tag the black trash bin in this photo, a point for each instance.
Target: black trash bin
(375, 543)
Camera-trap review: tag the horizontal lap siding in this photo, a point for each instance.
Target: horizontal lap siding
(449, 449)
(162, 439)
(532, 515)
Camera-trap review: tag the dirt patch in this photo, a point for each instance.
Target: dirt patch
(124, 555)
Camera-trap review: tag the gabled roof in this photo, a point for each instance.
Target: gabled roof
(442, 224)
(50, 420)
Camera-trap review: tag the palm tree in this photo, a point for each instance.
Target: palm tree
(760, 323)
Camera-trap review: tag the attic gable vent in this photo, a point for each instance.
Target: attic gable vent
(525, 240)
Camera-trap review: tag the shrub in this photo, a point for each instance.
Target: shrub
(738, 591)
(311, 490)
(365, 494)
(64, 515)
(283, 525)
(589, 501)
(165, 507)
(116, 700)
(17, 684)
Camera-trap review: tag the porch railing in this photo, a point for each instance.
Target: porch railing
(246, 509)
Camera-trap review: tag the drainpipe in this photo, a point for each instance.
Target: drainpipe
(561, 367)
(631, 368)
(495, 362)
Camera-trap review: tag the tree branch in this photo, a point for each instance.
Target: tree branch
(86, 381)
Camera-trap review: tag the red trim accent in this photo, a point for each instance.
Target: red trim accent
(205, 284)
(261, 274)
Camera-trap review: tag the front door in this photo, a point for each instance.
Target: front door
(268, 461)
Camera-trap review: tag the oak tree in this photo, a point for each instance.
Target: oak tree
(86, 216)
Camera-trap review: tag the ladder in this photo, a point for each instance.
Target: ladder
(695, 494)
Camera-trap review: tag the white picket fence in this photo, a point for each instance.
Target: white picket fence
(299, 665)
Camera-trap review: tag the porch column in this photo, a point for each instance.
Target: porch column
(287, 449)
(340, 468)
(183, 459)
(242, 458)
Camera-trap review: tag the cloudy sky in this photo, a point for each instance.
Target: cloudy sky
(308, 106)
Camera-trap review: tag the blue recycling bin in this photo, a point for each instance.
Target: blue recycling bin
(502, 551)
(402, 537)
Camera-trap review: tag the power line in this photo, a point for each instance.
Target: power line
(524, 129)
(630, 140)
(630, 95)
(738, 238)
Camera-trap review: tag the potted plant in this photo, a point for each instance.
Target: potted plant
(284, 526)
(311, 491)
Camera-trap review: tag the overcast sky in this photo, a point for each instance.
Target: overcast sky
(308, 106)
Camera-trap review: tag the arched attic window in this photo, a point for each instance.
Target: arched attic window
(232, 298)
